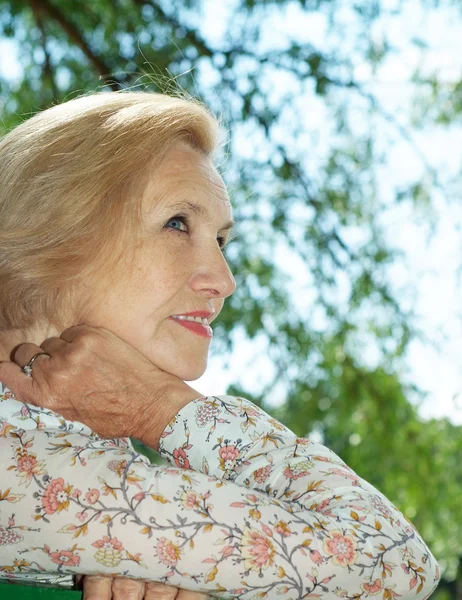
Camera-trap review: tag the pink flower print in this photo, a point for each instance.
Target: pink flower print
(117, 466)
(324, 507)
(345, 474)
(257, 550)
(109, 551)
(298, 470)
(168, 552)
(379, 505)
(341, 547)
(228, 455)
(189, 499)
(262, 474)
(5, 428)
(172, 471)
(28, 466)
(76, 493)
(24, 412)
(92, 496)
(282, 528)
(205, 413)
(66, 558)
(56, 497)
(82, 516)
(303, 442)
(372, 588)
(253, 411)
(316, 557)
(179, 456)
(8, 537)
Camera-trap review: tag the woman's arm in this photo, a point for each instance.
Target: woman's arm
(268, 513)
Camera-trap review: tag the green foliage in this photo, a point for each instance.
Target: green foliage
(325, 217)
(153, 456)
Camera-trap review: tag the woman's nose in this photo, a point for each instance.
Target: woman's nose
(212, 275)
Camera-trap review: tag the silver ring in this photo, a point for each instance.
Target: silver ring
(28, 368)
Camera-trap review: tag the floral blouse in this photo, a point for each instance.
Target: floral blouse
(246, 510)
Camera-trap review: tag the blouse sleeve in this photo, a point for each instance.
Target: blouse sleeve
(247, 510)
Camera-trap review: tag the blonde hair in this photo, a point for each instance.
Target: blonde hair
(70, 178)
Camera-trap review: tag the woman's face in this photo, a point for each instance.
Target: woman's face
(178, 267)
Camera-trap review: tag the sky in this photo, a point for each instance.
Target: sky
(430, 265)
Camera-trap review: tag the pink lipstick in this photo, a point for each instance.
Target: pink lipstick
(196, 321)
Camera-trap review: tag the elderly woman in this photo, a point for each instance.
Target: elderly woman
(113, 219)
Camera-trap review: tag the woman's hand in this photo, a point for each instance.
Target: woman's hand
(96, 587)
(94, 377)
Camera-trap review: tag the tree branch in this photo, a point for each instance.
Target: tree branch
(192, 37)
(47, 67)
(46, 8)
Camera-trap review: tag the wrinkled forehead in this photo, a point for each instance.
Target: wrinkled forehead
(186, 173)
(183, 162)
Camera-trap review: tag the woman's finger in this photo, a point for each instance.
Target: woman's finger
(127, 589)
(12, 375)
(25, 352)
(160, 591)
(54, 344)
(100, 587)
(97, 587)
(25, 388)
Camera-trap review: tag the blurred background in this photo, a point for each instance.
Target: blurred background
(343, 157)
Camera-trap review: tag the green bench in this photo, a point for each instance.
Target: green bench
(20, 591)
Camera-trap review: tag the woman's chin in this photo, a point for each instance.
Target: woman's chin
(189, 374)
(183, 369)
(186, 375)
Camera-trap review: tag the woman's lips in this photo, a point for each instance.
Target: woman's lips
(197, 328)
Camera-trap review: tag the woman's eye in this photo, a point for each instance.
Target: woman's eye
(178, 223)
(181, 223)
